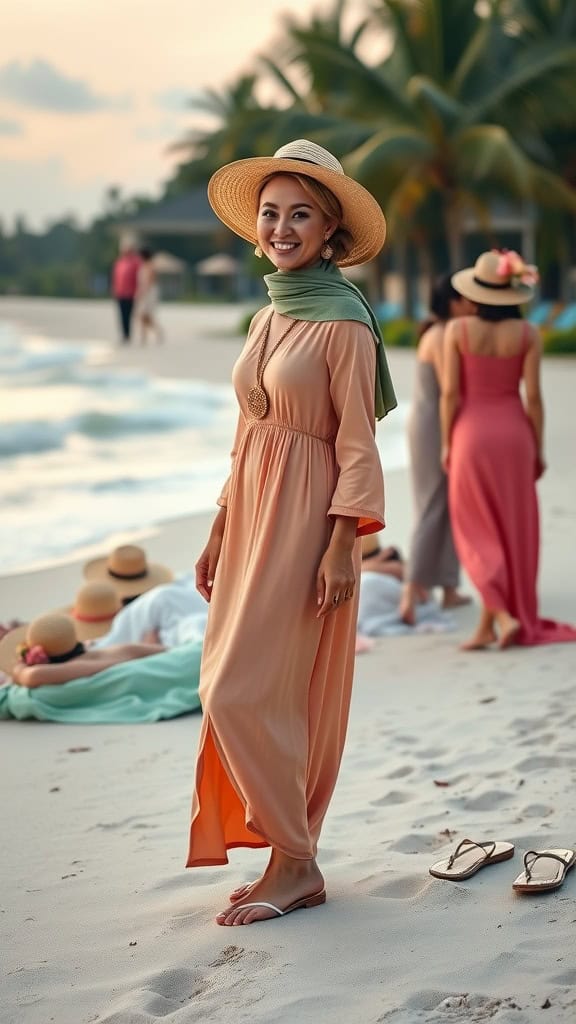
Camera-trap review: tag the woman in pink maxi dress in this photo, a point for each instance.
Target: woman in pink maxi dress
(493, 454)
(284, 551)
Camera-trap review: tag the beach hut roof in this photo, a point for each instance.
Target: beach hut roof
(166, 263)
(220, 265)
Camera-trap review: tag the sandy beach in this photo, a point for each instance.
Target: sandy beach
(100, 921)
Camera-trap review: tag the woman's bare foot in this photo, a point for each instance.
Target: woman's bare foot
(454, 599)
(243, 890)
(285, 882)
(508, 629)
(483, 637)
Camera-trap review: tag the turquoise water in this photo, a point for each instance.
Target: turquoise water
(88, 450)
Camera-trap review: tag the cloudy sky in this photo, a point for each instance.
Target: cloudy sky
(92, 92)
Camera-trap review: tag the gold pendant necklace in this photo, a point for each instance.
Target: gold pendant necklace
(258, 401)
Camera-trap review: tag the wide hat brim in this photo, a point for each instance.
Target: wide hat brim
(9, 646)
(97, 569)
(465, 284)
(85, 631)
(233, 193)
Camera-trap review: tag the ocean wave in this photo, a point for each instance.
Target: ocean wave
(151, 411)
(32, 437)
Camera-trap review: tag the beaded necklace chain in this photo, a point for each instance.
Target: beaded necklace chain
(258, 401)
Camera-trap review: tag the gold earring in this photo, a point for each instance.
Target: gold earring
(258, 252)
(326, 251)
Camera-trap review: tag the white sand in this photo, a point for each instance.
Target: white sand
(100, 922)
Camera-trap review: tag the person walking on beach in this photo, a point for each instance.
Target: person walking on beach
(493, 450)
(147, 298)
(432, 560)
(125, 284)
(281, 565)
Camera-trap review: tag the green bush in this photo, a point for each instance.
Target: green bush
(246, 320)
(396, 333)
(560, 343)
(399, 333)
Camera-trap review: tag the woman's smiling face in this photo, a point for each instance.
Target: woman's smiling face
(291, 227)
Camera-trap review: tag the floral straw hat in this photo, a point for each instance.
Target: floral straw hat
(128, 570)
(89, 617)
(498, 278)
(49, 638)
(233, 192)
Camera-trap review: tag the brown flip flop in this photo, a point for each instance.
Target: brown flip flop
(469, 857)
(544, 870)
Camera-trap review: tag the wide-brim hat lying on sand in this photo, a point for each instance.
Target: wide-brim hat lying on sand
(49, 638)
(128, 570)
(90, 616)
(233, 192)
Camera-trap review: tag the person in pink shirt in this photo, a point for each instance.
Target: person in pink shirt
(125, 284)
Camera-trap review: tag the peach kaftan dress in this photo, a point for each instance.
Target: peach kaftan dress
(276, 680)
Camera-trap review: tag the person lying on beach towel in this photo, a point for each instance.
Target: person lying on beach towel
(382, 573)
(56, 679)
(169, 614)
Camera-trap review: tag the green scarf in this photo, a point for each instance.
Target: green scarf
(322, 293)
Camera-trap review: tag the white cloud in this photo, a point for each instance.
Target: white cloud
(42, 86)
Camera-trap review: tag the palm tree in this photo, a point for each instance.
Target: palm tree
(461, 109)
(468, 132)
(239, 124)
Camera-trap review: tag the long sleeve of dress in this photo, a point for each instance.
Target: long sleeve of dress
(222, 500)
(351, 357)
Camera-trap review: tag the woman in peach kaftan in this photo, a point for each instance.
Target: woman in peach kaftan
(278, 655)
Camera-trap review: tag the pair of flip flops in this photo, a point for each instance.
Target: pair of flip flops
(543, 869)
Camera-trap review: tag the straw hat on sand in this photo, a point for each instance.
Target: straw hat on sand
(497, 279)
(127, 569)
(94, 609)
(50, 638)
(89, 617)
(233, 192)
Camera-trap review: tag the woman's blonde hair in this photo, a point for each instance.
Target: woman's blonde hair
(341, 239)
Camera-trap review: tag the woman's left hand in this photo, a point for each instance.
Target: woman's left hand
(445, 458)
(335, 580)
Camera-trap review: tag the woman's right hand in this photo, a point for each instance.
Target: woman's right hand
(540, 467)
(207, 563)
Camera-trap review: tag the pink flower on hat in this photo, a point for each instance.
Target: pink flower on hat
(35, 655)
(512, 266)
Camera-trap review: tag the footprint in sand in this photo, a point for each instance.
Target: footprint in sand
(566, 978)
(541, 763)
(161, 995)
(401, 773)
(536, 811)
(396, 887)
(486, 801)
(395, 796)
(421, 843)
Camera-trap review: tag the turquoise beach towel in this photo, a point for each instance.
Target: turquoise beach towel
(144, 690)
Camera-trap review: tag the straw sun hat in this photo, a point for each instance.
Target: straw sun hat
(55, 633)
(498, 278)
(233, 192)
(128, 570)
(89, 617)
